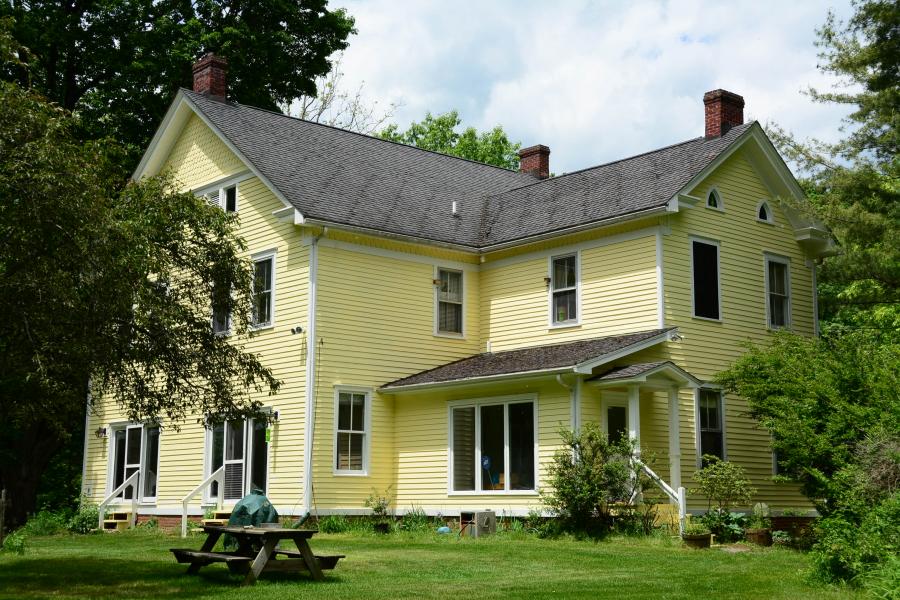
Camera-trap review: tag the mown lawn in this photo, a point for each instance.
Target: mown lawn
(137, 564)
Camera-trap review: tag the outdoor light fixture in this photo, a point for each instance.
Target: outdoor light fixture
(547, 281)
(100, 433)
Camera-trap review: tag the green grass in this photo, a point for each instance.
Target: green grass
(137, 564)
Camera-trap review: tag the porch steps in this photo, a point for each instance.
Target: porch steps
(219, 518)
(117, 521)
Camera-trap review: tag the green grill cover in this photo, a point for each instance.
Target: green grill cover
(253, 509)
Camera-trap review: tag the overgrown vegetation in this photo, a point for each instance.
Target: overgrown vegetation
(724, 486)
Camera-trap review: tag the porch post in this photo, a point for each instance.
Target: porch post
(634, 417)
(674, 439)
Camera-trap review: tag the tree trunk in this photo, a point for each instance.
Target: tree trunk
(30, 452)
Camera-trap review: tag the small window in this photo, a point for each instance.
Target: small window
(352, 427)
(224, 198)
(763, 214)
(242, 448)
(263, 291)
(450, 302)
(709, 423)
(564, 289)
(705, 267)
(493, 447)
(714, 200)
(778, 286)
(231, 199)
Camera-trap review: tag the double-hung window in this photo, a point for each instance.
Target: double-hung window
(136, 448)
(778, 287)
(450, 302)
(493, 446)
(264, 291)
(564, 290)
(710, 422)
(242, 447)
(705, 279)
(351, 434)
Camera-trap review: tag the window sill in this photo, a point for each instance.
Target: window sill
(765, 222)
(497, 493)
(254, 329)
(337, 473)
(708, 319)
(715, 208)
(451, 336)
(565, 325)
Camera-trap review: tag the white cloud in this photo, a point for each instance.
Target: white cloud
(594, 81)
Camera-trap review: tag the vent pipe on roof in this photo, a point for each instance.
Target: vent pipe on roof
(211, 76)
(535, 160)
(724, 110)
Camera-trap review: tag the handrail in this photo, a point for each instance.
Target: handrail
(217, 475)
(132, 480)
(678, 496)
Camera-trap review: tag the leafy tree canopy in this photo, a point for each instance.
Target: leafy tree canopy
(107, 285)
(119, 63)
(854, 184)
(440, 134)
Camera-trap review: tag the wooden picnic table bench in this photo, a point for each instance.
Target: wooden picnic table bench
(246, 559)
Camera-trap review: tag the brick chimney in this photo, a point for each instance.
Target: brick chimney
(724, 110)
(210, 76)
(535, 160)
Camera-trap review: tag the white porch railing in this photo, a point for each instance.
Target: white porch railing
(219, 476)
(133, 481)
(678, 496)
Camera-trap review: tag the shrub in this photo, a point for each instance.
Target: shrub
(45, 522)
(760, 518)
(586, 475)
(884, 583)
(727, 526)
(15, 542)
(84, 520)
(781, 538)
(379, 503)
(696, 529)
(416, 520)
(723, 483)
(334, 524)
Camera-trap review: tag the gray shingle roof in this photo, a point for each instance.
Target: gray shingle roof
(525, 360)
(347, 178)
(627, 371)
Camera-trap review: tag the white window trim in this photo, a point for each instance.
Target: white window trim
(437, 303)
(767, 258)
(222, 185)
(477, 403)
(714, 191)
(207, 499)
(258, 257)
(367, 431)
(721, 392)
(718, 245)
(771, 215)
(576, 322)
(605, 403)
(111, 428)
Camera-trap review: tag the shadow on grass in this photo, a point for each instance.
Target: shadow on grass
(113, 577)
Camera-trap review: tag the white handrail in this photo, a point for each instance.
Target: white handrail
(217, 475)
(132, 480)
(678, 496)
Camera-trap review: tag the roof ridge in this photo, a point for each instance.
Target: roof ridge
(364, 135)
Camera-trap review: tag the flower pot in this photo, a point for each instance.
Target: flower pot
(760, 537)
(382, 527)
(697, 541)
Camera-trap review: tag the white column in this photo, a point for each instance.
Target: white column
(634, 417)
(674, 440)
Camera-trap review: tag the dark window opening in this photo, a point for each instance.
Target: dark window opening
(706, 280)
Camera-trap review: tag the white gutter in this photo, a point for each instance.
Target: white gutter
(310, 376)
(572, 401)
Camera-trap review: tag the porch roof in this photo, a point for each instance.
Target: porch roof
(643, 372)
(580, 357)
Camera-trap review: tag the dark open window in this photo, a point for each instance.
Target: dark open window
(706, 279)
(709, 420)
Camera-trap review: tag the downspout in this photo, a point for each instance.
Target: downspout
(574, 399)
(310, 377)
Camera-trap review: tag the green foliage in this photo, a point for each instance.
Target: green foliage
(884, 583)
(693, 528)
(120, 63)
(124, 277)
(334, 524)
(379, 503)
(15, 542)
(416, 520)
(45, 522)
(759, 518)
(440, 134)
(85, 519)
(587, 474)
(853, 184)
(781, 538)
(726, 525)
(723, 483)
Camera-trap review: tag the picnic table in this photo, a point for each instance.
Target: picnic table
(247, 559)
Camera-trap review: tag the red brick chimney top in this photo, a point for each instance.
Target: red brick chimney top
(210, 76)
(535, 160)
(724, 110)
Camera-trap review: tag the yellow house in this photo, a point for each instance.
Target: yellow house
(437, 321)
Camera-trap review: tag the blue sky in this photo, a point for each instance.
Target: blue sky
(595, 81)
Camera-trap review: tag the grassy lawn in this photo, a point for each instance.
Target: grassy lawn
(137, 564)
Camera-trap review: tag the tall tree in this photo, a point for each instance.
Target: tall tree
(854, 184)
(107, 290)
(440, 134)
(119, 63)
